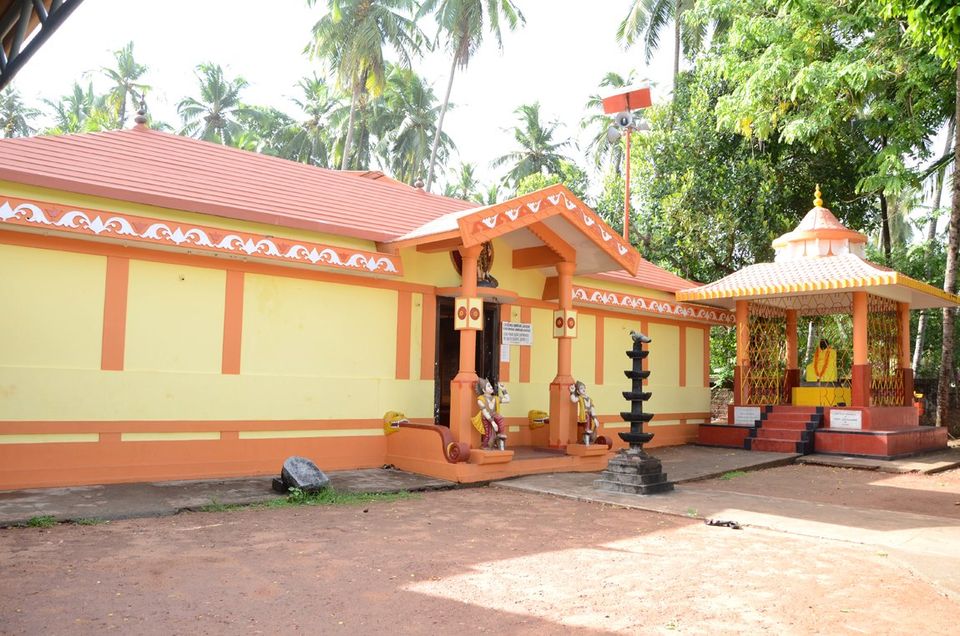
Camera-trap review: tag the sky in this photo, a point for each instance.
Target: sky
(558, 58)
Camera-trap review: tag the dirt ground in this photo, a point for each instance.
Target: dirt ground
(478, 560)
(937, 494)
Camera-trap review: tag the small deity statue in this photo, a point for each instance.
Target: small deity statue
(586, 412)
(823, 368)
(488, 421)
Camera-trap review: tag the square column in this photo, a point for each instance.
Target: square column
(792, 378)
(860, 371)
(463, 396)
(563, 414)
(906, 370)
(743, 352)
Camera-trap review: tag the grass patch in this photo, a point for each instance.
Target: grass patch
(326, 497)
(90, 521)
(44, 521)
(733, 474)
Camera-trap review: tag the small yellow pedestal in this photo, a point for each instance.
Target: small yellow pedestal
(821, 395)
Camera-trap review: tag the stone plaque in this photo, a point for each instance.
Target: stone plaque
(746, 415)
(850, 420)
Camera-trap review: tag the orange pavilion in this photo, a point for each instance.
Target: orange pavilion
(854, 393)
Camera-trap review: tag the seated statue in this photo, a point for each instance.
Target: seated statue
(488, 421)
(823, 368)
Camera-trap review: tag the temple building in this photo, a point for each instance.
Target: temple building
(175, 309)
(852, 394)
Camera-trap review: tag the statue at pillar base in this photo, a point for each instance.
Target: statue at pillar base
(488, 421)
(823, 368)
(586, 412)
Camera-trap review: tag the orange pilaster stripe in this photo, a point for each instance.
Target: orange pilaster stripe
(683, 356)
(428, 337)
(598, 369)
(505, 316)
(706, 357)
(232, 323)
(404, 310)
(114, 313)
(525, 351)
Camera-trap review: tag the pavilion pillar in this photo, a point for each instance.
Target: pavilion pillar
(563, 414)
(743, 352)
(792, 377)
(906, 370)
(860, 371)
(463, 396)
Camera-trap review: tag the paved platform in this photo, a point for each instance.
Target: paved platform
(693, 462)
(157, 499)
(926, 463)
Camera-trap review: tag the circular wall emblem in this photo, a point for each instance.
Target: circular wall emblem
(559, 322)
(462, 313)
(571, 323)
(474, 314)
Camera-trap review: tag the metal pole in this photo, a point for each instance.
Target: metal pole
(626, 192)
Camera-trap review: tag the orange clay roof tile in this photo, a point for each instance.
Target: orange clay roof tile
(154, 168)
(650, 276)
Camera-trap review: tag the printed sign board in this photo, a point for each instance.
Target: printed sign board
(746, 415)
(851, 420)
(516, 333)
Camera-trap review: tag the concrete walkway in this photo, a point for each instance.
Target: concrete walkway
(926, 463)
(158, 499)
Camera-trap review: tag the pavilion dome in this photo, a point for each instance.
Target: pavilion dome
(818, 235)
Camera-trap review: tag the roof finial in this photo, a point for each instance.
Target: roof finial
(817, 201)
(141, 118)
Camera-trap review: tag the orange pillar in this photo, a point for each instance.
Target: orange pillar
(463, 397)
(906, 371)
(743, 352)
(792, 378)
(563, 415)
(860, 372)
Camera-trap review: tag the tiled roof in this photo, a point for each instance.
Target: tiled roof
(154, 168)
(650, 276)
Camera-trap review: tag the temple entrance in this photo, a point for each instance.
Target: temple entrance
(448, 353)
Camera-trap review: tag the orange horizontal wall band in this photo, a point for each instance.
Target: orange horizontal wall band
(428, 337)
(232, 323)
(404, 318)
(26, 427)
(114, 313)
(24, 239)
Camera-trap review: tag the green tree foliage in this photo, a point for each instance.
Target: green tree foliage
(707, 203)
(125, 84)
(80, 110)
(351, 37)
(214, 115)
(932, 24)
(538, 149)
(15, 116)
(463, 24)
(603, 153)
(309, 140)
(568, 173)
(823, 72)
(465, 185)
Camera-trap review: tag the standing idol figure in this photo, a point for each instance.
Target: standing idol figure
(586, 412)
(489, 422)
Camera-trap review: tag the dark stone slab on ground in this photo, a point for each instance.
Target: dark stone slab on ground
(300, 472)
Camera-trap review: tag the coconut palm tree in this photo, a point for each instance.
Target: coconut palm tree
(646, 19)
(213, 116)
(539, 150)
(15, 116)
(465, 185)
(124, 77)
(351, 38)
(463, 22)
(408, 126)
(80, 110)
(310, 141)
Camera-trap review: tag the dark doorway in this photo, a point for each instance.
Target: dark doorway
(448, 353)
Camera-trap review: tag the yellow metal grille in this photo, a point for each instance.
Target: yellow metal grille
(883, 352)
(764, 377)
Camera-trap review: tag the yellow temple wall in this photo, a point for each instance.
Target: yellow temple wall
(217, 367)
